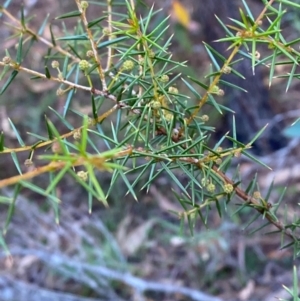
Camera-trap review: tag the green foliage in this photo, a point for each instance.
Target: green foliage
(126, 70)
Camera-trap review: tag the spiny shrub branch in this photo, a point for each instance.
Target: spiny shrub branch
(128, 66)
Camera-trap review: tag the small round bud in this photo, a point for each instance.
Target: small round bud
(60, 92)
(84, 4)
(6, 60)
(84, 65)
(77, 134)
(175, 133)
(90, 54)
(173, 90)
(238, 34)
(237, 154)
(155, 104)
(55, 64)
(219, 149)
(272, 46)
(228, 188)
(168, 116)
(106, 31)
(204, 118)
(256, 195)
(260, 22)
(215, 89)
(83, 175)
(141, 61)
(211, 187)
(220, 92)
(257, 55)
(226, 70)
(56, 147)
(219, 161)
(128, 65)
(164, 78)
(28, 163)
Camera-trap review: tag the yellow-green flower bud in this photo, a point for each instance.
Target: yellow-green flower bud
(90, 54)
(211, 187)
(55, 64)
(84, 65)
(77, 134)
(219, 161)
(168, 116)
(155, 104)
(106, 31)
(84, 4)
(226, 70)
(219, 149)
(215, 90)
(83, 175)
(271, 46)
(164, 78)
(228, 188)
(128, 65)
(256, 195)
(204, 118)
(173, 90)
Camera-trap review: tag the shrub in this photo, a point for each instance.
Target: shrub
(141, 124)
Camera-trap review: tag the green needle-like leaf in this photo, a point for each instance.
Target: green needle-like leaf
(71, 14)
(9, 81)
(20, 140)
(1, 142)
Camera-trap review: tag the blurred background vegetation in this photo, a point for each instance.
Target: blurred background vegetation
(143, 238)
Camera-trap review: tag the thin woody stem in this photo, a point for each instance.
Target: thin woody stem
(39, 38)
(93, 45)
